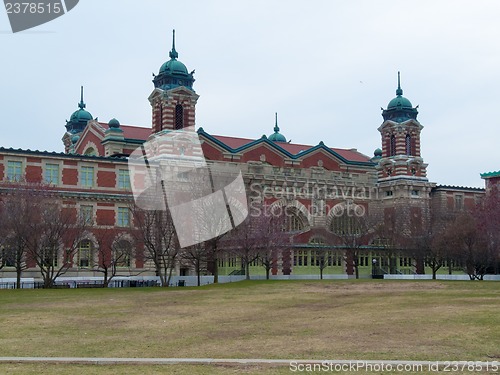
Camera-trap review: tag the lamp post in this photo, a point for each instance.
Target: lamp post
(374, 268)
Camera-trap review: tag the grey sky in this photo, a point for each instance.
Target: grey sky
(325, 66)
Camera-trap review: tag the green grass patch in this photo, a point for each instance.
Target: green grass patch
(328, 319)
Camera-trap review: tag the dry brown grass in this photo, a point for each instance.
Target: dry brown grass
(384, 320)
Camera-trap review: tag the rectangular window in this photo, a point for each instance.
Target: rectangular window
(14, 170)
(84, 254)
(121, 253)
(7, 257)
(123, 179)
(459, 202)
(49, 257)
(52, 174)
(87, 176)
(87, 214)
(314, 258)
(363, 261)
(123, 217)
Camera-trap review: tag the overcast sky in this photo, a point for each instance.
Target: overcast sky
(325, 66)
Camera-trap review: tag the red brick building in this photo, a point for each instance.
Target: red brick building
(312, 181)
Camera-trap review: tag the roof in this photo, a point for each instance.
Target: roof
(38, 153)
(131, 132)
(490, 174)
(456, 188)
(293, 148)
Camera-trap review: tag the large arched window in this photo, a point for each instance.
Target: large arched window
(408, 144)
(346, 225)
(293, 221)
(393, 145)
(179, 117)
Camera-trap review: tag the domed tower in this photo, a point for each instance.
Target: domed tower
(173, 100)
(400, 133)
(78, 120)
(75, 126)
(404, 190)
(276, 136)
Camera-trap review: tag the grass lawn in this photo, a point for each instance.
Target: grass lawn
(330, 319)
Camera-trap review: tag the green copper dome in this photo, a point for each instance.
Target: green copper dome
(174, 67)
(81, 115)
(114, 123)
(173, 73)
(78, 120)
(399, 102)
(399, 109)
(276, 136)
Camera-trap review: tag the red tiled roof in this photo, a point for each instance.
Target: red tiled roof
(132, 132)
(294, 148)
(136, 132)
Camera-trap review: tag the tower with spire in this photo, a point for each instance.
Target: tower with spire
(173, 99)
(76, 124)
(78, 120)
(400, 133)
(403, 187)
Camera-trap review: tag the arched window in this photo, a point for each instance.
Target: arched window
(408, 144)
(85, 254)
(393, 145)
(293, 222)
(179, 117)
(90, 151)
(346, 225)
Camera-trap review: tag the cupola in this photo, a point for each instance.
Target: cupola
(276, 136)
(400, 108)
(173, 73)
(78, 120)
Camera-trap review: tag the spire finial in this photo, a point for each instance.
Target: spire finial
(399, 91)
(82, 103)
(173, 53)
(276, 127)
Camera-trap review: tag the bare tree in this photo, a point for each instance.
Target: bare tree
(156, 232)
(351, 228)
(470, 247)
(246, 240)
(39, 229)
(114, 253)
(55, 234)
(273, 237)
(196, 257)
(16, 213)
